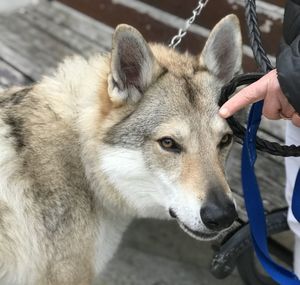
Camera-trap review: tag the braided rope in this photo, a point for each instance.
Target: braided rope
(260, 55)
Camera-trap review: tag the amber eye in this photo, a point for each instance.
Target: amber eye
(226, 140)
(169, 144)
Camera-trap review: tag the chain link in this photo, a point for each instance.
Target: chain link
(183, 31)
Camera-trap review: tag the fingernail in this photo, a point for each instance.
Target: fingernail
(224, 112)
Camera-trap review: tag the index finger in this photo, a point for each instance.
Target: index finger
(248, 95)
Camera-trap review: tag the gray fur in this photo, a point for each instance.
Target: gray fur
(59, 200)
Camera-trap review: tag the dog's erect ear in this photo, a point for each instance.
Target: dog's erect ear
(132, 65)
(222, 53)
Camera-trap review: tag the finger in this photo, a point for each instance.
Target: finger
(272, 108)
(287, 110)
(250, 94)
(296, 120)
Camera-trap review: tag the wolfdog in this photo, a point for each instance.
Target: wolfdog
(133, 133)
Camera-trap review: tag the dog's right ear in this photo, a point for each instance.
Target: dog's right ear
(222, 53)
(132, 66)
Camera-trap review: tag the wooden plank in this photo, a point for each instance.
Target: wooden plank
(270, 173)
(272, 9)
(272, 193)
(9, 76)
(35, 44)
(29, 49)
(78, 23)
(273, 129)
(61, 33)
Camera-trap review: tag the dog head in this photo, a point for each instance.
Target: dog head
(166, 147)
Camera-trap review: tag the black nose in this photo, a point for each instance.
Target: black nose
(217, 213)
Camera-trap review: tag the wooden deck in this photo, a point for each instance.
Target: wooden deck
(34, 40)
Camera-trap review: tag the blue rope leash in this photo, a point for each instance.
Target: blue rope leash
(254, 205)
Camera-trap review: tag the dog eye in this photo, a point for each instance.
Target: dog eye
(226, 140)
(169, 144)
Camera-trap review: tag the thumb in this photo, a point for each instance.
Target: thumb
(248, 95)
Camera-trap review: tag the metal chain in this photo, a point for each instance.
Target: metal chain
(183, 31)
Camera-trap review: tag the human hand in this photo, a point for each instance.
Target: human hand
(276, 105)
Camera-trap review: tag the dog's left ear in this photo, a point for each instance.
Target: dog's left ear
(132, 65)
(222, 53)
